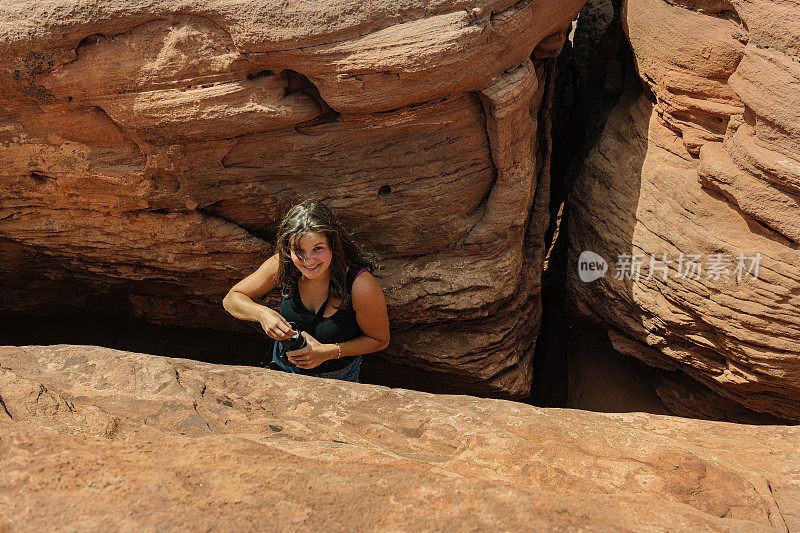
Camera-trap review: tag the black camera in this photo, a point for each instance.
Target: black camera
(295, 342)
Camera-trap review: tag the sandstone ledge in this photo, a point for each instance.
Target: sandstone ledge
(170, 443)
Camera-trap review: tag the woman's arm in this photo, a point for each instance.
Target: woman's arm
(372, 317)
(239, 300)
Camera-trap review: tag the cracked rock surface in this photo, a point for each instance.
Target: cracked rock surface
(171, 443)
(149, 150)
(703, 167)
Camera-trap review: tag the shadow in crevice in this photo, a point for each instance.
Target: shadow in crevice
(138, 336)
(595, 67)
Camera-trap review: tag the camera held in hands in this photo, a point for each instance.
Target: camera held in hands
(295, 342)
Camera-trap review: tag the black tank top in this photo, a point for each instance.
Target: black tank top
(339, 327)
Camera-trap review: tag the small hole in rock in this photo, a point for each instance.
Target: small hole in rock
(384, 190)
(39, 177)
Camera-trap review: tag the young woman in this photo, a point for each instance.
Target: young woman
(328, 291)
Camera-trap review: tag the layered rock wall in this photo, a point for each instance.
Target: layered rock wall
(701, 168)
(150, 149)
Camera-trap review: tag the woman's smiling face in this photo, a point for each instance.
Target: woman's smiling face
(316, 255)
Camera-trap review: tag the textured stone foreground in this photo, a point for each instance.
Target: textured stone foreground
(148, 151)
(93, 438)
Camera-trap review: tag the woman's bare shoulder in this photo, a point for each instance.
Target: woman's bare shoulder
(365, 286)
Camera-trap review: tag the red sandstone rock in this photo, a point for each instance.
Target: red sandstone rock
(95, 438)
(149, 150)
(711, 167)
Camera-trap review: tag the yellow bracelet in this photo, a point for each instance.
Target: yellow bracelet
(339, 349)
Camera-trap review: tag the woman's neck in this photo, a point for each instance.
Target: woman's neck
(321, 281)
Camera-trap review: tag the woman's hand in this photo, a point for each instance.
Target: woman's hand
(275, 325)
(314, 353)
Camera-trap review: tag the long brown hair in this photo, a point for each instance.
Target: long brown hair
(315, 217)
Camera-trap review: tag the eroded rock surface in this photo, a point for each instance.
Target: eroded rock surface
(170, 444)
(149, 150)
(703, 167)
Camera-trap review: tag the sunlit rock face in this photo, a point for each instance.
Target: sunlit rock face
(149, 150)
(705, 163)
(93, 438)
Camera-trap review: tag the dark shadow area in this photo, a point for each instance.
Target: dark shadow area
(201, 344)
(593, 70)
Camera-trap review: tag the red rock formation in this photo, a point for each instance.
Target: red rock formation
(149, 150)
(176, 444)
(709, 163)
